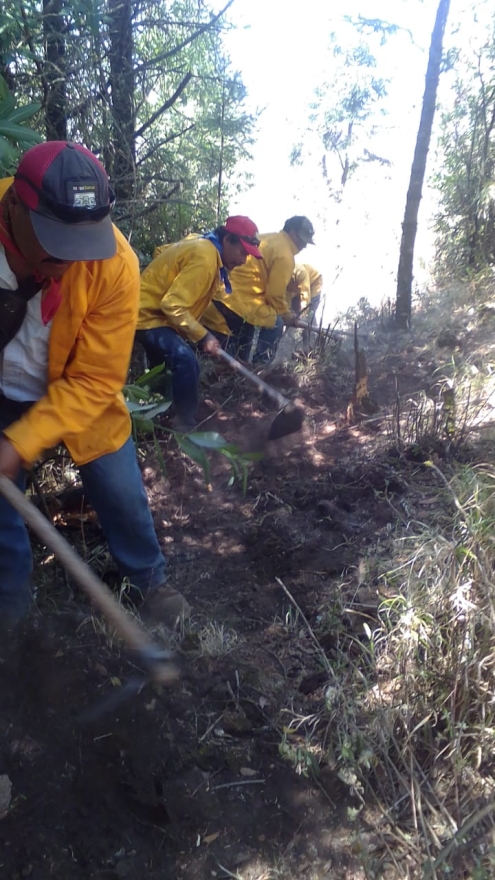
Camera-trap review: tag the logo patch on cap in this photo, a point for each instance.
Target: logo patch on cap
(82, 195)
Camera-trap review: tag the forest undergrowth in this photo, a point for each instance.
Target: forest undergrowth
(408, 715)
(335, 717)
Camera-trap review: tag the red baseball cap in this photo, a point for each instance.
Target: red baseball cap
(247, 233)
(69, 198)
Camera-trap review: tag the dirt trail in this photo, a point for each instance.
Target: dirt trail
(204, 780)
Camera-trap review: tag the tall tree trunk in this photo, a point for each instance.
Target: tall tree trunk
(123, 109)
(54, 71)
(410, 223)
(221, 151)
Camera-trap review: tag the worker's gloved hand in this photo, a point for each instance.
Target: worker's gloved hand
(210, 344)
(10, 460)
(290, 319)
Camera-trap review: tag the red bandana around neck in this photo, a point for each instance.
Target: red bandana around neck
(51, 286)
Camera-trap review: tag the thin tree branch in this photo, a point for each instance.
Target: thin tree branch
(150, 208)
(162, 143)
(170, 52)
(154, 178)
(168, 103)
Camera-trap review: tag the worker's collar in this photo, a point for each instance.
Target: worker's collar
(293, 246)
(52, 296)
(224, 275)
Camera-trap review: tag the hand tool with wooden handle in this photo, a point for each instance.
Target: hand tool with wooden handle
(290, 418)
(156, 661)
(327, 332)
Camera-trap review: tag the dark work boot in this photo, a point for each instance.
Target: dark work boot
(164, 605)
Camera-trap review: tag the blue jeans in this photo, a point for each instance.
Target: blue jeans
(114, 487)
(164, 345)
(268, 341)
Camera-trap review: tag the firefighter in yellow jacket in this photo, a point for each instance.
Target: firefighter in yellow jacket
(176, 289)
(259, 294)
(304, 290)
(69, 292)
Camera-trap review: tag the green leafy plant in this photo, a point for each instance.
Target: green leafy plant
(209, 440)
(143, 401)
(145, 404)
(15, 137)
(298, 752)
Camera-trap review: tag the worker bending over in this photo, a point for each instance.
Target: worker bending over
(304, 294)
(69, 294)
(176, 289)
(259, 294)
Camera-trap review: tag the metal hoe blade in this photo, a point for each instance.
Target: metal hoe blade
(291, 417)
(289, 421)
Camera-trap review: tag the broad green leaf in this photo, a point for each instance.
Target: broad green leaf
(235, 467)
(18, 132)
(7, 152)
(7, 105)
(143, 424)
(22, 113)
(208, 439)
(144, 378)
(159, 408)
(136, 393)
(195, 453)
(135, 407)
(231, 448)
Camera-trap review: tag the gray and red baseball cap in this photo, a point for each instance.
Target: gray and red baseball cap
(69, 198)
(247, 233)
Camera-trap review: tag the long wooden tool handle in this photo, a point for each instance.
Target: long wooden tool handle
(127, 627)
(305, 325)
(315, 328)
(252, 377)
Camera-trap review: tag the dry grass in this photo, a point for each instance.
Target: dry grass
(409, 714)
(216, 640)
(408, 717)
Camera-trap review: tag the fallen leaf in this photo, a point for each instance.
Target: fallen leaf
(248, 771)
(116, 681)
(211, 837)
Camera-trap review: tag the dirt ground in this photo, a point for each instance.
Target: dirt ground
(208, 778)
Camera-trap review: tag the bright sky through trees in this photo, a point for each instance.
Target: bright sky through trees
(281, 49)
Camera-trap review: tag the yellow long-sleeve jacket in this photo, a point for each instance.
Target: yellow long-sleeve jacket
(259, 287)
(178, 285)
(88, 358)
(306, 283)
